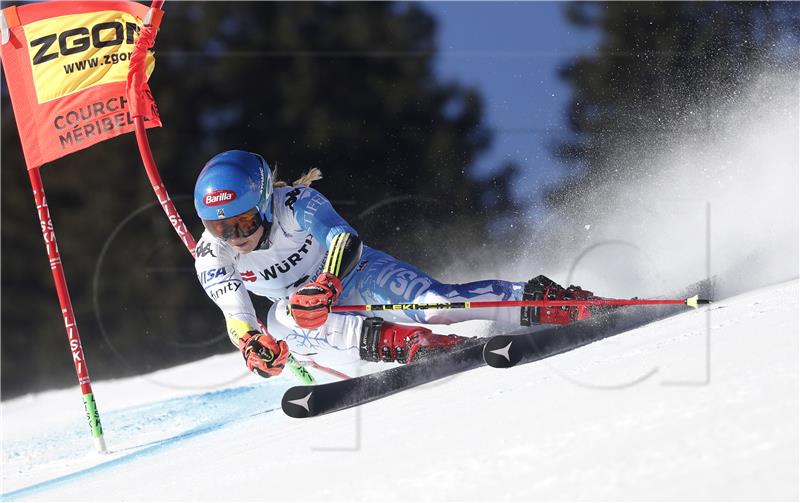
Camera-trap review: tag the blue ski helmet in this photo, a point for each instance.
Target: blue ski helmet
(232, 183)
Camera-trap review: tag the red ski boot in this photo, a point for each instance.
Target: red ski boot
(385, 341)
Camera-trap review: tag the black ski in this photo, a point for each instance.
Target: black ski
(503, 351)
(315, 400)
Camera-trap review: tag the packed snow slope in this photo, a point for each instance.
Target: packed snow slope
(703, 405)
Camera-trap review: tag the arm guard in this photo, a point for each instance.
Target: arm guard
(343, 255)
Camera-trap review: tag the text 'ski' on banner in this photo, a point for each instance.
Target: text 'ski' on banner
(66, 64)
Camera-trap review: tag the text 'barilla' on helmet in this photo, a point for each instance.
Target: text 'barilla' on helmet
(233, 194)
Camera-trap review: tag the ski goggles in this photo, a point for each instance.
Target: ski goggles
(240, 226)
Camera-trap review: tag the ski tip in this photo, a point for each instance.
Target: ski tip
(298, 402)
(695, 301)
(499, 352)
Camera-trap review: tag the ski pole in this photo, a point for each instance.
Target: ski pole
(691, 302)
(315, 365)
(299, 371)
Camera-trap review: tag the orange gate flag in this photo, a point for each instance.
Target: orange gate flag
(66, 64)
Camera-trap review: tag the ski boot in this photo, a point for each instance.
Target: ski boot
(543, 288)
(385, 341)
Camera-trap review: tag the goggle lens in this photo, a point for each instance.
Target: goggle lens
(240, 226)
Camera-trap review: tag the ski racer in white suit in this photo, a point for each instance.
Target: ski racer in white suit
(288, 244)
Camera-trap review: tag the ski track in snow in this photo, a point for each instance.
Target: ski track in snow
(637, 416)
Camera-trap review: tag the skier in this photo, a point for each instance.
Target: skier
(287, 243)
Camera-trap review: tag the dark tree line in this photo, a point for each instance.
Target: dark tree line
(344, 87)
(657, 63)
(348, 88)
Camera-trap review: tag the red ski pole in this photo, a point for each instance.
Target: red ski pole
(691, 301)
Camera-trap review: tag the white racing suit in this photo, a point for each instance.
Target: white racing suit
(304, 224)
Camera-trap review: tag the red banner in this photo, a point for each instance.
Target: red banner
(66, 64)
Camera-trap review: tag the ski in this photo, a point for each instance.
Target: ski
(504, 351)
(315, 400)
